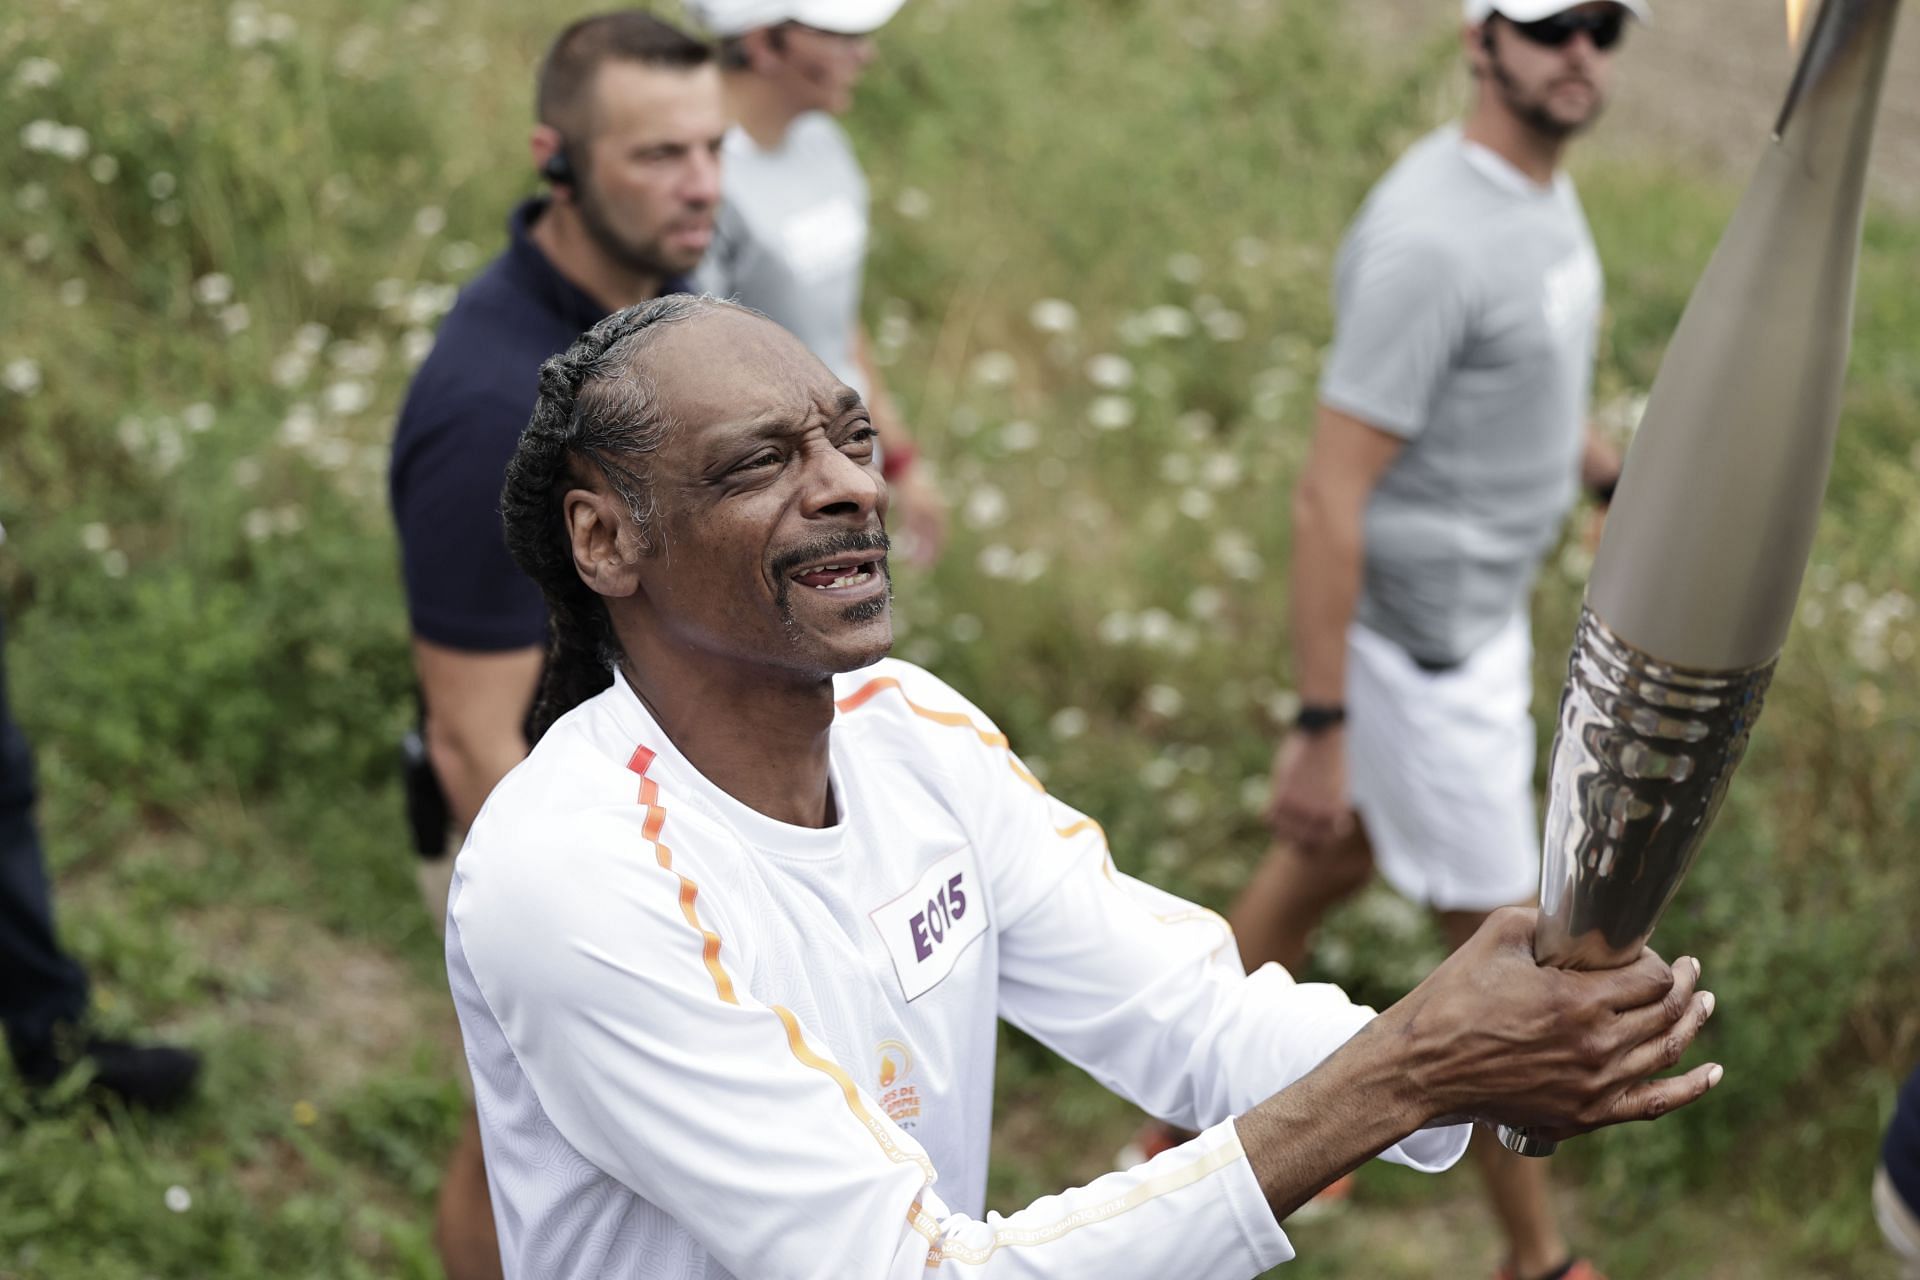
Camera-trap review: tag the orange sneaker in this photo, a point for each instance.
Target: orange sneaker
(1577, 1269)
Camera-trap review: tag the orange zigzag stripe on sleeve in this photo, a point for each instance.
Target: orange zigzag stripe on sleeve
(655, 822)
(651, 827)
(951, 719)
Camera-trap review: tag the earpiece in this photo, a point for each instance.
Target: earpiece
(558, 170)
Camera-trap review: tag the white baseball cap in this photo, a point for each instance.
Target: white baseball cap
(844, 17)
(1478, 11)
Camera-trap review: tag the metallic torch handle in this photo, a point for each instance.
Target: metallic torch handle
(1641, 762)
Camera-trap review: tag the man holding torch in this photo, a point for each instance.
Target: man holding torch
(1450, 435)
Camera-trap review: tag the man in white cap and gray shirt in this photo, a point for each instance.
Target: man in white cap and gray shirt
(1450, 435)
(791, 239)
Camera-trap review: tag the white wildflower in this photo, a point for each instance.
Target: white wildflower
(1159, 773)
(1254, 792)
(1235, 554)
(290, 368)
(311, 338)
(1116, 628)
(300, 427)
(346, 397)
(21, 376)
(1186, 268)
(1206, 603)
(995, 369)
(430, 221)
(357, 359)
(113, 562)
(169, 214)
(236, 318)
(132, 434)
(258, 524)
(965, 628)
(37, 247)
(1154, 627)
(198, 416)
(1226, 326)
(1220, 471)
(414, 345)
(161, 185)
(1019, 436)
(1176, 468)
(1196, 504)
(459, 256)
(104, 168)
(1067, 722)
(998, 561)
(1167, 321)
(31, 197)
(1110, 372)
(913, 204)
(247, 473)
(35, 73)
(73, 292)
(985, 507)
(1110, 413)
(213, 289)
(96, 537)
(1054, 315)
(1249, 252)
(1197, 425)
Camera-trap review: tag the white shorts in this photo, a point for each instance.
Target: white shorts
(1441, 768)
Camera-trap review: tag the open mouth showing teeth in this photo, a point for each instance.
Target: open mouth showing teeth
(828, 577)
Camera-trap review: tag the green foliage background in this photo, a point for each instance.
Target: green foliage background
(210, 302)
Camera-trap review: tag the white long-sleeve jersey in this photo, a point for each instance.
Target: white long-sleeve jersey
(706, 1044)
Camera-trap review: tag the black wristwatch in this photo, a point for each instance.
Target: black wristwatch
(1319, 717)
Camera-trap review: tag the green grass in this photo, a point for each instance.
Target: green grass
(208, 641)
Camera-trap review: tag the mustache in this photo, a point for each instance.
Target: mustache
(832, 544)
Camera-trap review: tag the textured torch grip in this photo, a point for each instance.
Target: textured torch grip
(1641, 762)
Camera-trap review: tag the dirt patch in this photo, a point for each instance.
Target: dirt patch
(341, 1009)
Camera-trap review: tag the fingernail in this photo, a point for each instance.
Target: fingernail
(1707, 1000)
(1714, 1073)
(1696, 967)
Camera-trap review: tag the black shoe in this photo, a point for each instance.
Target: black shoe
(155, 1076)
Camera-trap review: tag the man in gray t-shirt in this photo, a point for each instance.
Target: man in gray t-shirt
(1450, 437)
(791, 237)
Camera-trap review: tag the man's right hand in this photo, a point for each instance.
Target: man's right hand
(1310, 807)
(1492, 1035)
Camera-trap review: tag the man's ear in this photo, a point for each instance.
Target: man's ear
(1477, 40)
(607, 547)
(764, 47)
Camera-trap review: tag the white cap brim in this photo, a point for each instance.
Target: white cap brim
(844, 17)
(1478, 11)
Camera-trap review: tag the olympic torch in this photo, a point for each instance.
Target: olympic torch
(1696, 577)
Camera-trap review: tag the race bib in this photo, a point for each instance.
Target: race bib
(926, 929)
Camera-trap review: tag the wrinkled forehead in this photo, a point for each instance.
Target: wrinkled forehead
(725, 367)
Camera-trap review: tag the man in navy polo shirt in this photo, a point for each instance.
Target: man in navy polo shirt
(630, 122)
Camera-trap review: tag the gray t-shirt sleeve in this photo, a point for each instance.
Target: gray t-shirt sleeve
(1401, 319)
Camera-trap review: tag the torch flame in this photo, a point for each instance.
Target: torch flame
(1796, 21)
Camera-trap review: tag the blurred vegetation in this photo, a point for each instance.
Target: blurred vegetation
(1103, 238)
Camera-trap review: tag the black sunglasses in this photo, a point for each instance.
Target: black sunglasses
(1604, 27)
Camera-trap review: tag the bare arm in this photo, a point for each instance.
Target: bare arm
(1348, 458)
(476, 717)
(1599, 462)
(922, 513)
(1489, 1035)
